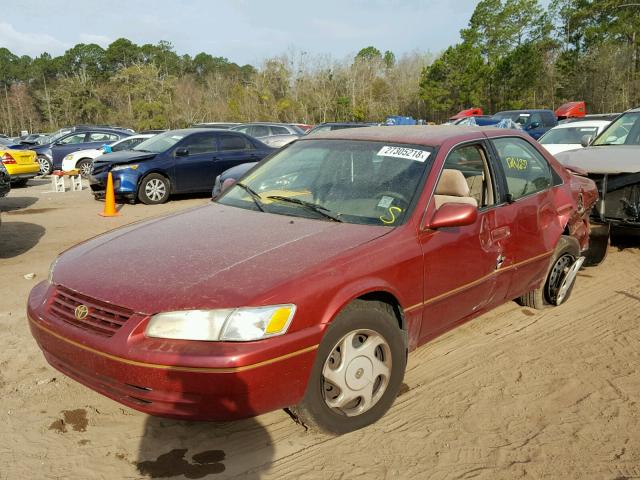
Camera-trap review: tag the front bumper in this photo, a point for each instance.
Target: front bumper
(125, 185)
(179, 379)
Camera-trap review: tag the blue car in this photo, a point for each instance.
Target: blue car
(534, 122)
(50, 155)
(177, 161)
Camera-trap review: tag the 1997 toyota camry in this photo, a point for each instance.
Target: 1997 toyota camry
(309, 280)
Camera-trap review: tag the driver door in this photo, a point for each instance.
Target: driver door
(461, 264)
(195, 171)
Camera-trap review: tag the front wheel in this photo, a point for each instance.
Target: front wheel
(154, 189)
(84, 166)
(46, 165)
(357, 372)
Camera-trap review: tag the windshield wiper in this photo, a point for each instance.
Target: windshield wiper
(255, 196)
(325, 212)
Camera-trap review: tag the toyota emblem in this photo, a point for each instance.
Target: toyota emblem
(81, 312)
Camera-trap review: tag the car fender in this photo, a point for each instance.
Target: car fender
(351, 291)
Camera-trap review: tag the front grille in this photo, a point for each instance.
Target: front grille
(102, 318)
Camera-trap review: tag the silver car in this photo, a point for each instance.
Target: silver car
(273, 134)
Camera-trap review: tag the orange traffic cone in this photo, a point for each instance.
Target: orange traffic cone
(109, 200)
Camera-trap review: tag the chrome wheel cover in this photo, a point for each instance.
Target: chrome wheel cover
(356, 373)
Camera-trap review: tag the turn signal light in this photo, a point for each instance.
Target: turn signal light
(7, 159)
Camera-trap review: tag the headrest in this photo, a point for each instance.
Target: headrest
(452, 183)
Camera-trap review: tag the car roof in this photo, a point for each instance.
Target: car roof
(428, 135)
(192, 130)
(525, 110)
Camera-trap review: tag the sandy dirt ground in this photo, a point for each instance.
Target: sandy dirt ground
(512, 394)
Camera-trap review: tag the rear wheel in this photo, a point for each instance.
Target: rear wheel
(153, 189)
(560, 278)
(357, 372)
(46, 165)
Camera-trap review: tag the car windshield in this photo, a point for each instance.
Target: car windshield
(159, 143)
(345, 180)
(624, 131)
(568, 135)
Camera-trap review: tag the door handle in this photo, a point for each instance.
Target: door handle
(500, 234)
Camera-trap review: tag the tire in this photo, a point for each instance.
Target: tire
(85, 166)
(46, 165)
(367, 325)
(566, 253)
(154, 189)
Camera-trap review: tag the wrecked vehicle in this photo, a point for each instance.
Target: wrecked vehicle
(612, 160)
(308, 281)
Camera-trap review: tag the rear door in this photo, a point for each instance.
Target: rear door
(529, 180)
(234, 149)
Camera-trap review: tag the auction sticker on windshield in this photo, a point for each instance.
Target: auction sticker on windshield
(403, 152)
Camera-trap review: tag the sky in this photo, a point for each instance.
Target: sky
(243, 31)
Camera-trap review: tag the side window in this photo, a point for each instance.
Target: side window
(276, 130)
(242, 129)
(234, 142)
(525, 169)
(259, 131)
(471, 162)
(73, 139)
(536, 118)
(126, 145)
(102, 137)
(201, 144)
(548, 119)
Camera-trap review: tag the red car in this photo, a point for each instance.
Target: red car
(308, 281)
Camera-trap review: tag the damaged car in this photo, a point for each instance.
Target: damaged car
(612, 161)
(307, 283)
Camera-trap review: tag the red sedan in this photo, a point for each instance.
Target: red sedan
(308, 281)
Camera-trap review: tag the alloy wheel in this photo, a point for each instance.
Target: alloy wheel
(155, 189)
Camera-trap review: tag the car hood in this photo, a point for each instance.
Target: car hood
(604, 159)
(208, 257)
(125, 156)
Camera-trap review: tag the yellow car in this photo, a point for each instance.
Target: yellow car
(21, 164)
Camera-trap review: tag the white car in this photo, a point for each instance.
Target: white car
(83, 159)
(568, 136)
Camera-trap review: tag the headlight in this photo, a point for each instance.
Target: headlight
(234, 325)
(69, 157)
(51, 267)
(124, 167)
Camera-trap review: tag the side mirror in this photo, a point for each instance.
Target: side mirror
(453, 215)
(534, 125)
(182, 152)
(586, 140)
(229, 182)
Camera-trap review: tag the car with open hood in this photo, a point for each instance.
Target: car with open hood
(82, 160)
(305, 285)
(612, 160)
(177, 161)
